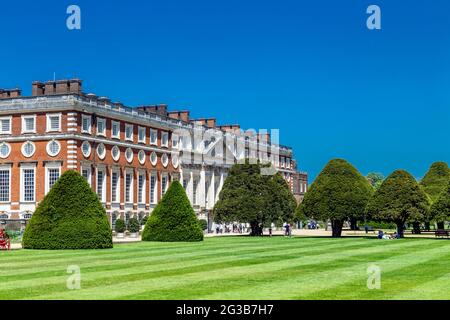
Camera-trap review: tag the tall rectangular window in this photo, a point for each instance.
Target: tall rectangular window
(153, 136)
(100, 179)
(29, 124)
(4, 185)
(152, 189)
(164, 139)
(86, 173)
(128, 181)
(101, 126)
(129, 132)
(175, 140)
(194, 192)
(5, 125)
(53, 175)
(141, 134)
(28, 185)
(53, 122)
(141, 184)
(163, 185)
(86, 124)
(115, 131)
(114, 186)
(185, 183)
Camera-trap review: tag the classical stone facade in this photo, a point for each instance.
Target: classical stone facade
(128, 155)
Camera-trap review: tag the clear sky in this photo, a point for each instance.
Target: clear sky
(380, 99)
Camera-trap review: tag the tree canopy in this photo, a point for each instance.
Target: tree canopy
(251, 197)
(69, 217)
(436, 180)
(173, 219)
(399, 199)
(338, 194)
(375, 179)
(440, 210)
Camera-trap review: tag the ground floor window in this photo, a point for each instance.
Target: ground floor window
(28, 185)
(114, 186)
(100, 181)
(52, 177)
(153, 189)
(141, 189)
(164, 185)
(4, 185)
(128, 187)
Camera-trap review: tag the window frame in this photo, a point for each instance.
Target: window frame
(128, 125)
(7, 168)
(144, 140)
(49, 167)
(48, 122)
(24, 168)
(164, 133)
(28, 116)
(155, 131)
(113, 124)
(89, 118)
(101, 120)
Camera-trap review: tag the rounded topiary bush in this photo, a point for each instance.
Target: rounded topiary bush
(173, 219)
(69, 217)
(203, 224)
(120, 226)
(133, 225)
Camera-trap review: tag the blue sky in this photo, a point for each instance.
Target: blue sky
(379, 99)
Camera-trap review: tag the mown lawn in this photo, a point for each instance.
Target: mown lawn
(235, 268)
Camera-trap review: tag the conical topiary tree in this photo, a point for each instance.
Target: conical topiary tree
(173, 219)
(338, 194)
(69, 217)
(399, 199)
(440, 210)
(434, 183)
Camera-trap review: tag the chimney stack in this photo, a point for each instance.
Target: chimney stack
(10, 93)
(56, 87)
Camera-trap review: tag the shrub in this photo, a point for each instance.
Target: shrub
(436, 180)
(203, 224)
(339, 193)
(69, 217)
(133, 225)
(173, 219)
(120, 226)
(144, 220)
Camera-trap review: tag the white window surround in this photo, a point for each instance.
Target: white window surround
(28, 153)
(165, 160)
(103, 184)
(141, 157)
(154, 158)
(129, 132)
(129, 155)
(86, 123)
(88, 173)
(47, 175)
(142, 134)
(86, 149)
(7, 167)
(49, 126)
(154, 199)
(23, 167)
(115, 153)
(141, 187)
(8, 131)
(103, 125)
(50, 144)
(101, 151)
(175, 141)
(24, 123)
(114, 125)
(117, 191)
(8, 146)
(153, 137)
(128, 174)
(164, 139)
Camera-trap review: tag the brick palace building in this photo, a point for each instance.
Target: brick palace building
(128, 155)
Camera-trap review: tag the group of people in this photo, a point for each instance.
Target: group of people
(382, 235)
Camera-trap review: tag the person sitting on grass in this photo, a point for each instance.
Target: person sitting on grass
(380, 234)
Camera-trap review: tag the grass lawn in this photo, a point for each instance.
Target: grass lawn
(235, 268)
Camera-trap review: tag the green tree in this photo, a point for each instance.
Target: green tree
(133, 225)
(440, 210)
(400, 199)
(69, 217)
(433, 183)
(120, 226)
(248, 196)
(375, 179)
(173, 219)
(338, 194)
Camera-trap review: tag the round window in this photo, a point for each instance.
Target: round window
(141, 157)
(115, 153)
(153, 158)
(28, 149)
(5, 150)
(86, 149)
(175, 161)
(101, 151)
(129, 155)
(53, 148)
(165, 160)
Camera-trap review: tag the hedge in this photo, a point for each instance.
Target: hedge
(173, 219)
(69, 217)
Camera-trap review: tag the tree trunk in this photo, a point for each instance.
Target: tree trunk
(416, 227)
(441, 225)
(336, 227)
(353, 224)
(427, 225)
(400, 229)
(256, 229)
